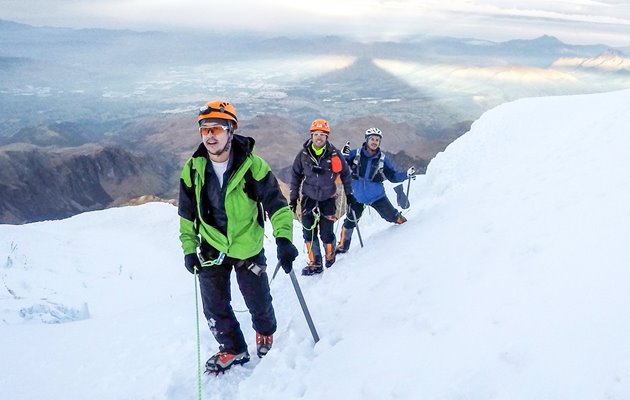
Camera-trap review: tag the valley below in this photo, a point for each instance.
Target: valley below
(94, 118)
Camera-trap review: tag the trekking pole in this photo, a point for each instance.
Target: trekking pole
(356, 224)
(307, 315)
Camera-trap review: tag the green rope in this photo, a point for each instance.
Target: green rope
(216, 261)
(210, 263)
(316, 213)
(198, 339)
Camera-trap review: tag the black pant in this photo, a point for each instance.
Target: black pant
(216, 296)
(383, 206)
(325, 228)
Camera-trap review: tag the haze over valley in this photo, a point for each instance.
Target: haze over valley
(135, 94)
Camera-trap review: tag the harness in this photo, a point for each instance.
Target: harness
(209, 256)
(378, 171)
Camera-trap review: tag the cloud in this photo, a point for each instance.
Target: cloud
(373, 19)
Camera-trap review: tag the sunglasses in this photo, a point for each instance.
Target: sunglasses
(216, 130)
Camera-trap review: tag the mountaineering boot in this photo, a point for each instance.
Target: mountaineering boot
(400, 219)
(222, 361)
(330, 254)
(263, 344)
(314, 259)
(344, 240)
(313, 267)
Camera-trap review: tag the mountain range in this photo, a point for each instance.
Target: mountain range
(610, 60)
(135, 94)
(41, 183)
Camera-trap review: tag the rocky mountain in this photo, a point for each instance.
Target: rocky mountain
(278, 139)
(60, 134)
(43, 183)
(56, 179)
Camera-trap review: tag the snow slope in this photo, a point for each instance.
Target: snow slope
(508, 282)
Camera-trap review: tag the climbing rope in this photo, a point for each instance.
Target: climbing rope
(198, 336)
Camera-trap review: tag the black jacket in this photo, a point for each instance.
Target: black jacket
(315, 174)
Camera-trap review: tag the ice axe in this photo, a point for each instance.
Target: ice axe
(275, 272)
(356, 224)
(300, 297)
(307, 314)
(402, 198)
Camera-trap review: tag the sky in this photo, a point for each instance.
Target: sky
(509, 281)
(573, 21)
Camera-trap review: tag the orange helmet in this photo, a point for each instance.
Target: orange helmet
(320, 125)
(218, 109)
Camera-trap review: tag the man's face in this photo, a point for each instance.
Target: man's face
(373, 142)
(214, 137)
(319, 139)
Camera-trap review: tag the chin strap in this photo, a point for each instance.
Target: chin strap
(227, 145)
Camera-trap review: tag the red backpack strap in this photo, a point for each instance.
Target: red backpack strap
(335, 163)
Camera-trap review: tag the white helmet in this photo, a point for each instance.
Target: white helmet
(373, 131)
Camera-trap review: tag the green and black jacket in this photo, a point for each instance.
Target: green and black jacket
(231, 219)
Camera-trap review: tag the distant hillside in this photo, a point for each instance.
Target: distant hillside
(57, 134)
(71, 175)
(278, 139)
(610, 60)
(38, 184)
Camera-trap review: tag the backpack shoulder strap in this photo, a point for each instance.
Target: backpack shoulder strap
(252, 193)
(193, 181)
(357, 158)
(378, 171)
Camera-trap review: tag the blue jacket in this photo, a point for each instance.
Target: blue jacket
(367, 181)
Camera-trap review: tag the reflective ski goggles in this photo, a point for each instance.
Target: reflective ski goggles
(215, 130)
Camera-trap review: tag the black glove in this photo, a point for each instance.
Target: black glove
(286, 253)
(346, 149)
(293, 205)
(350, 199)
(191, 261)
